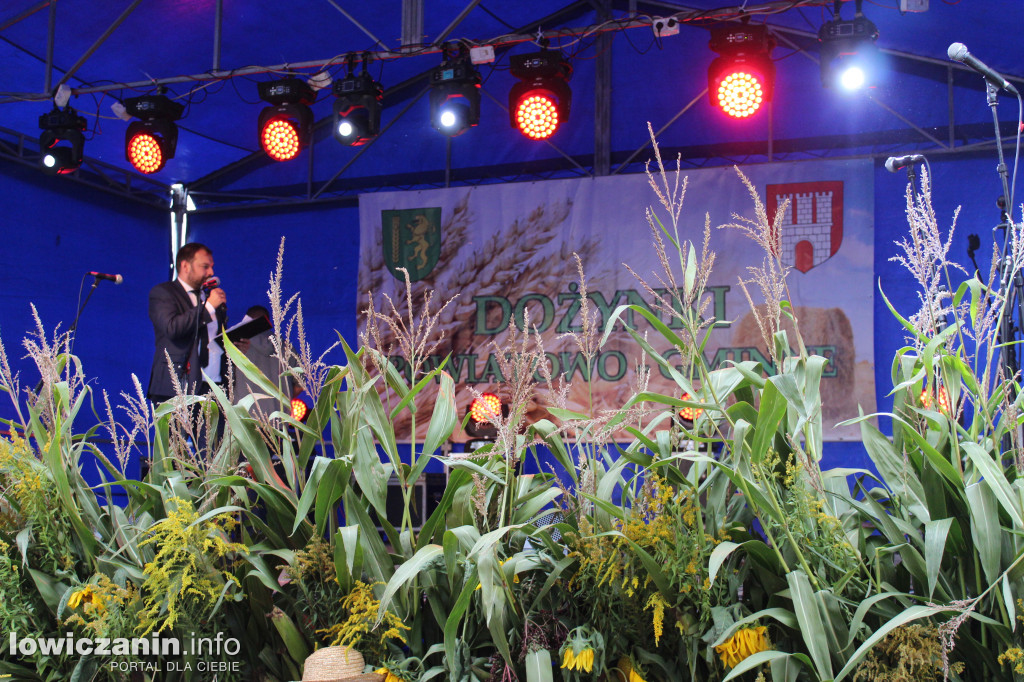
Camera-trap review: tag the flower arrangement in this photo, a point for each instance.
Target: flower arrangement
(738, 559)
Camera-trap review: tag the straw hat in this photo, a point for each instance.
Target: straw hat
(337, 664)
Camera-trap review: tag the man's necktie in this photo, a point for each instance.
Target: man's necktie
(204, 338)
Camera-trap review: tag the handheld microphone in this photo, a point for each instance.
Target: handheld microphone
(116, 279)
(211, 284)
(958, 53)
(894, 164)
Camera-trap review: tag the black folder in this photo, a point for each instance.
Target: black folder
(246, 331)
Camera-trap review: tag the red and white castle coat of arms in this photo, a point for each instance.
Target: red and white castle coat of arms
(812, 229)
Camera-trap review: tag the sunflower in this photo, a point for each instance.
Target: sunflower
(389, 676)
(629, 674)
(743, 643)
(84, 596)
(583, 661)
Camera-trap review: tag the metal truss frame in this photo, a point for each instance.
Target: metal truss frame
(24, 150)
(973, 139)
(208, 196)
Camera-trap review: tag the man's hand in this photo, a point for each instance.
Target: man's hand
(217, 298)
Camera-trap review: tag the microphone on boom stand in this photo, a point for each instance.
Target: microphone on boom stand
(894, 164)
(73, 329)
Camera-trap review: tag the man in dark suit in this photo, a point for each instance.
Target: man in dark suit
(180, 318)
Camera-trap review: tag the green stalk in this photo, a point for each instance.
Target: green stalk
(977, 587)
(406, 488)
(962, 576)
(767, 529)
(1007, 619)
(505, 518)
(789, 535)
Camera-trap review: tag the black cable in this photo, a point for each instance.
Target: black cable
(1016, 154)
(232, 80)
(214, 139)
(498, 19)
(654, 41)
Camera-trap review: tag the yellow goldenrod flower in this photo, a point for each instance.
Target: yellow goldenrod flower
(362, 606)
(1012, 657)
(743, 643)
(658, 604)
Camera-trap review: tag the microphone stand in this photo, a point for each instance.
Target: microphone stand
(74, 325)
(1007, 331)
(992, 97)
(911, 177)
(73, 328)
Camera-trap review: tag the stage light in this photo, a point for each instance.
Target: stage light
(152, 140)
(742, 77)
(454, 96)
(539, 103)
(849, 56)
(301, 407)
(286, 126)
(482, 412)
(926, 400)
(689, 415)
(485, 408)
(357, 108)
(62, 142)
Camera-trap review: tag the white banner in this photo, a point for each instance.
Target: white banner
(505, 249)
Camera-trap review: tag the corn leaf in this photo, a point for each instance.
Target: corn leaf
(538, 666)
(935, 534)
(812, 628)
(984, 513)
(406, 573)
(993, 476)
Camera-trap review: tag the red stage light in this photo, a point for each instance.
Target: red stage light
(145, 154)
(150, 141)
(280, 139)
(690, 414)
(299, 409)
(485, 408)
(741, 79)
(537, 116)
(539, 103)
(740, 94)
(286, 126)
(926, 400)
